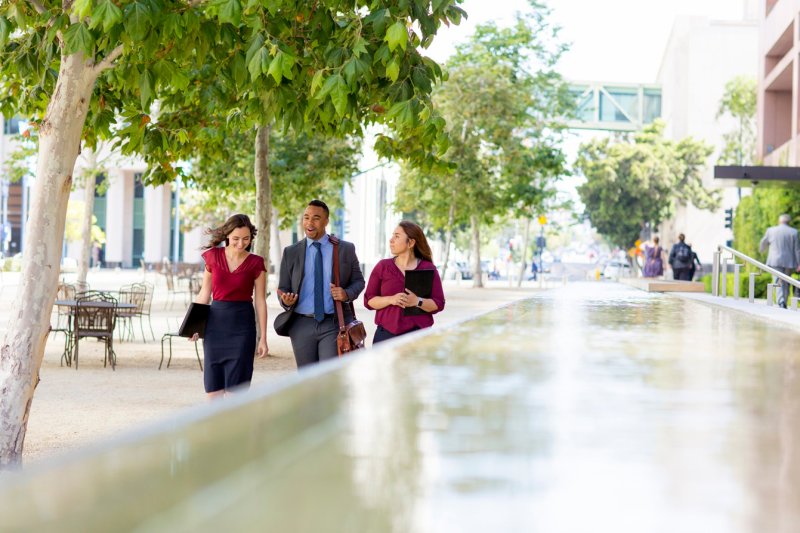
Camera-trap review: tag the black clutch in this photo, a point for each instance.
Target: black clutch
(195, 320)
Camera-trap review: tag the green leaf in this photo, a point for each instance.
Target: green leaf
(239, 70)
(316, 81)
(393, 70)
(82, 8)
(339, 96)
(438, 4)
(256, 63)
(287, 64)
(79, 38)
(137, 20)
(147, 86)
(107, 14)
(360, 46)
(5, 31)
(276, 67)
(328, 86)
(230, 11)
(397, 35)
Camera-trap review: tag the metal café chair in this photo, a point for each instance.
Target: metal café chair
(96, 322)
(134, 294)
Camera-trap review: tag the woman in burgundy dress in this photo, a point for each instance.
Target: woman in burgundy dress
(231, 275)
(386, 292)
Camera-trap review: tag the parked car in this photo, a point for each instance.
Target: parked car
(616, 269)
(458, 270)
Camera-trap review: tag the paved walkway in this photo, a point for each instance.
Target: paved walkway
(595, 407)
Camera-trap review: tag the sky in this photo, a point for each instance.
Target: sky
(611, 40)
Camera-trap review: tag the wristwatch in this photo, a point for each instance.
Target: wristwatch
(419, 303)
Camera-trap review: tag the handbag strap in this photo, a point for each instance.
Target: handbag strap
(337, 303)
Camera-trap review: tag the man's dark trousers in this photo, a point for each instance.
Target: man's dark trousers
(682, 274)
(313, 341)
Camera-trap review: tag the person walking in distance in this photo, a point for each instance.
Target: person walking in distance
(306, 293)
(233, 279)
(784, 253)
(681, 259)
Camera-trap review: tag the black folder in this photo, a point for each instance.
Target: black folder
(195, 320)
(420, 282)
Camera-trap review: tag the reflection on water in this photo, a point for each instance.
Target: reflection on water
(592, 408)
(593, 405)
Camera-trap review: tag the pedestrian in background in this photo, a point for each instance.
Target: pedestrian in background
(231, 278)
(681, 259)
(386, 292)
(653, 260)
(784, 253)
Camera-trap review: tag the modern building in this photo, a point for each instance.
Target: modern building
(701, 56)
(779, 82)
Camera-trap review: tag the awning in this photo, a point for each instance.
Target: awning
(737, 176)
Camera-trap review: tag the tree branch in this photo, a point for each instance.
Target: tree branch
(37, 5)
(108, 61)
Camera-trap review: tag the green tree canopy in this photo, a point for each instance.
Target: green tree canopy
(302, 167)
(504, 104)
(631, 184)
(739, 103)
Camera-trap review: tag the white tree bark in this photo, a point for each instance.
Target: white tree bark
(275, 244)
(477, 277)
(263, 194)
(451, 216)
(23, 347)
(525, 244)
(88, 215)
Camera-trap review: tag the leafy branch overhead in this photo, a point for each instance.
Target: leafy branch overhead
(320, 66)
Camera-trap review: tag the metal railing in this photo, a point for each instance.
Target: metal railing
(719, 276)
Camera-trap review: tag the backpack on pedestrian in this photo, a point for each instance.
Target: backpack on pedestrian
(683, 253)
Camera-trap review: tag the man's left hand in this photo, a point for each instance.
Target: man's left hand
(338, 293)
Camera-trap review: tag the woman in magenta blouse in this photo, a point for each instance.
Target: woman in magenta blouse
(231, 277)
(386, 292)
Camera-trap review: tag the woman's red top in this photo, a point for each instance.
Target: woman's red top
(236, 286)
(387, 279)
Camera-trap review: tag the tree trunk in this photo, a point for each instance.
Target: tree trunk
(23, 347)
(525, 242)
(275, 244)
(477, 277)
(263, 201)
(451, 217)
(88, 215)
(263, 194)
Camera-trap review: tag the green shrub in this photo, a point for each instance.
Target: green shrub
(744, 280)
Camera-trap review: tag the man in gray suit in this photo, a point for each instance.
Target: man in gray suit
(306, 290)
(784, 253)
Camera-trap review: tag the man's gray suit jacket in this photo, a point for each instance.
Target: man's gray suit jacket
(293, 270)
(784, 246)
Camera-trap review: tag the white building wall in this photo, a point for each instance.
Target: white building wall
(701, 56)
(119, 218)
(369, 217)
(157, 223)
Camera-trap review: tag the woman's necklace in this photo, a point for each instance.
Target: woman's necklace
(405, 267)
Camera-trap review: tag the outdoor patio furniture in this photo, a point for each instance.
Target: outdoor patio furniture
(173, 289)
(168, 336)
(95, 317)
(134, 294)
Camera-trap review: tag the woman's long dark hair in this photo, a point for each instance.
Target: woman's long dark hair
(421, 248)
(220, 234)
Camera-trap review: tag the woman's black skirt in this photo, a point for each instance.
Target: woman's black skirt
(229, 344)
